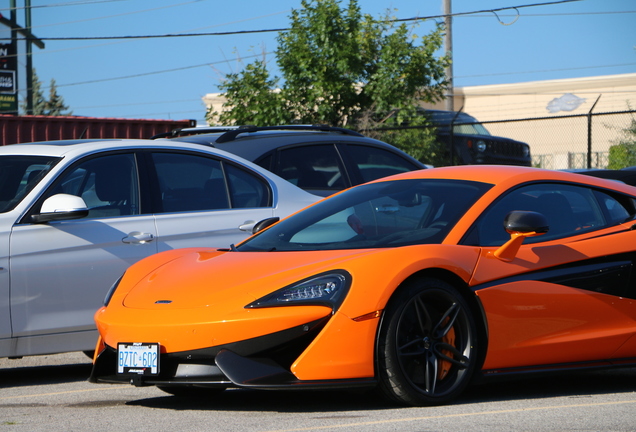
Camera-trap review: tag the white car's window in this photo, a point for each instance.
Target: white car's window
(108, 184)
(190, 183)
(195, 183)
(246, 189)
(18, 175)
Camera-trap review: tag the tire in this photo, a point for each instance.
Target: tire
(190, 391)
(427, 347)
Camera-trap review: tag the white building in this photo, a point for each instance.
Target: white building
(559, 107)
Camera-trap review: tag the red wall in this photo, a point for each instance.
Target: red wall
(21, 129)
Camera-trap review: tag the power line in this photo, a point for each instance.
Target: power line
(173, 35)
(118, 15)
(154, 72)
(75, 3)
(268, 53)
(91, 2)
(545, 70)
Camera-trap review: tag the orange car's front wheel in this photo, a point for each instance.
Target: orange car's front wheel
(427, 348)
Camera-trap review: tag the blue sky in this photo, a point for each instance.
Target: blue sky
(165, 78)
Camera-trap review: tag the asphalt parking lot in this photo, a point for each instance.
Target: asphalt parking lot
(50, 393)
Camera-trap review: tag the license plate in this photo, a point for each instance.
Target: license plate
(138, 358)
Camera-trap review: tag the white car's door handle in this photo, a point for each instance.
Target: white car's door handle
(247, 225)
(137, 237)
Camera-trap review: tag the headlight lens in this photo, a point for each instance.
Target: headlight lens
(111, 291)
(326, 289)
(480, 146)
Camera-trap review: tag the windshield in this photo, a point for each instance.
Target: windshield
(376, 215)
(20, 174)
(470, 129)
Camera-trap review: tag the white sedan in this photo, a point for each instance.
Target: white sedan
(74, 215)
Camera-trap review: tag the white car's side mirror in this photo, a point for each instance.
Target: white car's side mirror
(61, 207)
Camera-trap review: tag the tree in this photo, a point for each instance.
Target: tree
(53, 106)
(623, 154)
(39, 101)
(341, 68)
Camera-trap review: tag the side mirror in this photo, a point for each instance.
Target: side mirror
(261, 225)
(61, 207)
(520, 224)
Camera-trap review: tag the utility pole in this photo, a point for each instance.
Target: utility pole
(9, 65)
(448, 45)
(29, 58)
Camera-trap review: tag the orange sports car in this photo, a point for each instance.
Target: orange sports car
(416, 284)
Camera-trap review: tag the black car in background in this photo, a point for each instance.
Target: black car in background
(473, 144)
(625, 175)
(319, 159)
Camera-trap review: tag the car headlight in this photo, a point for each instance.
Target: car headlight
(480, 146)
(111, 291)
(326, 289)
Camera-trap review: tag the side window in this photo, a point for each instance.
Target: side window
(312, 167)
(570, 210)
(246, 189)
(266, 162)
(108, 184)
(190, 182)
(374, 163)
(615, 211)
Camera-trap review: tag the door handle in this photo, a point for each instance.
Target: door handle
(137, 237)
(247, 225)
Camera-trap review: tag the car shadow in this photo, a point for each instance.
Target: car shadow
(567, 384)
(23, 376)
(572, 385)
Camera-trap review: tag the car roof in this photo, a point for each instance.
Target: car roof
(446, 117)
(82, 146)
(625, 175)
(251, 145)
(509, 175)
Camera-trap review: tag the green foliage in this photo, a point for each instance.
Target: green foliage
(252, 99)
(53, 106)
(413, 134)
(341, 68)
(623, 154)
(419, 143)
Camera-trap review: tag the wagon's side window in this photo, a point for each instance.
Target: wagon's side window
(315, 167)
(569, 210)
(374, 163)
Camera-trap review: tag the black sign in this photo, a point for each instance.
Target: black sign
(7, 81)
(8, 57)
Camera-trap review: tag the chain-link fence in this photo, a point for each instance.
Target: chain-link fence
(571, 141)
(561, 142)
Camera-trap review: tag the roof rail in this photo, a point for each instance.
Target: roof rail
(232, 134)
(193, 131)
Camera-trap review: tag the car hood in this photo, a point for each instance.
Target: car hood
(214, 279)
